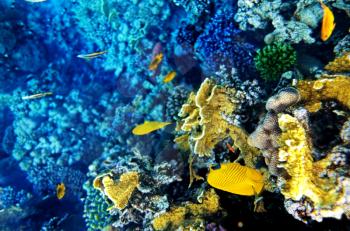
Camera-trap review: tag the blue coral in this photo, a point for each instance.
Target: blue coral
(187, 34)
(223, 44)
(194, 7)
(10, 196)
(46, 177)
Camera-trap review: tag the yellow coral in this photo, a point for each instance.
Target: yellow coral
(203, 116)
(204, 121)
(119, 192)
(179, 216)
(340, 64)
(328, 195)
(315, 91)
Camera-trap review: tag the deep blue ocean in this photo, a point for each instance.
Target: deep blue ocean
(211, 115)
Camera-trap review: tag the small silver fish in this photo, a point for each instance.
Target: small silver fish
(35, 1)
(91, 55)
(36, 96)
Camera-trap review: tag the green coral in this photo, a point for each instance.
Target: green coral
(274, 59)
(95, 209)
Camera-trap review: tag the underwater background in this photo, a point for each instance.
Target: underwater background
(174, 115)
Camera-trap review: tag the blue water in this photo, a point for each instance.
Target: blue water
(75, 79)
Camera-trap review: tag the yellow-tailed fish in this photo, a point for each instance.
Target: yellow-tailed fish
(36, 96)
(237, 179)
(60, 191)
(92, 55)
(170, 76)
(157, 59)
(328, 24)
(148, 127)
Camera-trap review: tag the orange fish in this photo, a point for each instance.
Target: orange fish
(60, 191)
(157, 59)
(328, 24)
(170, 76)
(230, 148)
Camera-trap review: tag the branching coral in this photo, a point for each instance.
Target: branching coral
(194, 7)
(274, 59)
(9, 197)
(177, 98)
(119, 26)
(186, 215)
(222, 43)
(259, 13)
(119, 192)
(343, 46)
(46, 177)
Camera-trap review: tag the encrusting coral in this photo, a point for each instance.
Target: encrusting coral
(313, 92)
(312, 189)
(322, 182)
(119, 192)
(184, 216)
(340, 64)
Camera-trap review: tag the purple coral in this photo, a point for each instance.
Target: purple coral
(223, 44)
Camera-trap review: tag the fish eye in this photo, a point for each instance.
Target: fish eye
(216, 166)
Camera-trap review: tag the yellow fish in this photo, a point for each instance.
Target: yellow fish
(36, 96)
(155, 62)
(92, 55)
(60, 191)
(328, 24)
(170, 76)
(148, 127)
(237, 179)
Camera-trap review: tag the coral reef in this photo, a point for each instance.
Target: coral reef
(135, 208)
(188, 215)
(295, 29)
(46, 177)
(313, 189)
(176, 99)
(118, 192)
(342, 46)
(315, 91)
(340, 64)
(67, 122)
(115, 25)
(95, 209)
(222, 43)
(11, 197)
(194, 7)
(267, 133)
(322, 183)
(204, 120)
(274, 59)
